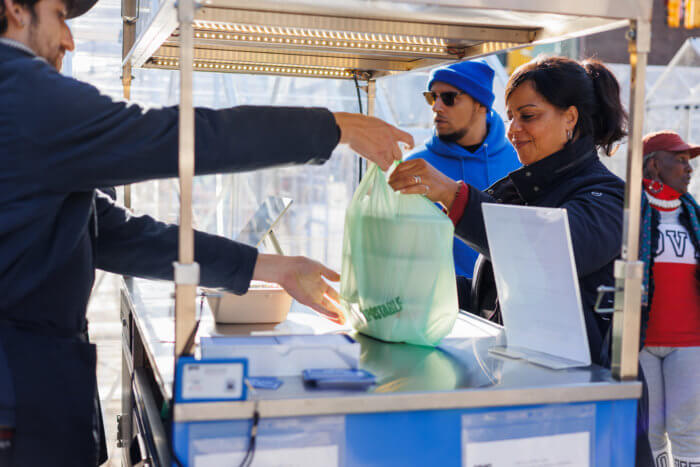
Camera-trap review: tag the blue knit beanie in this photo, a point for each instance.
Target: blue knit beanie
(473, 77)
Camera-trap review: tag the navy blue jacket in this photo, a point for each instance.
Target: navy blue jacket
(494, 159)
(60, 139)
(574, 179)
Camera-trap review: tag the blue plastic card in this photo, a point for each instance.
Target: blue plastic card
(338, 378)
(265, 382)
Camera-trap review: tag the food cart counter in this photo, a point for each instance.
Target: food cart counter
(455, 404)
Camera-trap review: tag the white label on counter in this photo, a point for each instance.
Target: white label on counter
(570, 450)
(321, 456)
(212, 381)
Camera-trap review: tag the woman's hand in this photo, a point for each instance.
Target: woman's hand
(372, 138)
(418, 177)
(303, 279)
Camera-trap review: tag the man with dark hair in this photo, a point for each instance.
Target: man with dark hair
(60, 140)
(48, 41)
(469, 143)
(670, 249)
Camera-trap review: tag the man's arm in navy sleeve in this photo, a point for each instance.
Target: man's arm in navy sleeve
(84, 140)
(143, 247)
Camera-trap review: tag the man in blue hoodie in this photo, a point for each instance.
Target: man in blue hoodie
(469, 143)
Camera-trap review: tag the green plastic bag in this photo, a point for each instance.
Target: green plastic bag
(398, 278)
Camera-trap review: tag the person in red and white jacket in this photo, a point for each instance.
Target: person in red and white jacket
(670, 248)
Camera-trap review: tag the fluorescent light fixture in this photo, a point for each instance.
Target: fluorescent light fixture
(319, 38)
(251, 68)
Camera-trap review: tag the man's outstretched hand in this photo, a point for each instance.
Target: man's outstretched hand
(303, 279)
(372, 138)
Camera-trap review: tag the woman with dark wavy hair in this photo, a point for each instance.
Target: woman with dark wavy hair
(562, 113)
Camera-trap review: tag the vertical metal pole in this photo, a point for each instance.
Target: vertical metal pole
(628, 270)
(185, 283)
(371, 108)
(129, 17)
(124, 423)
(371, 97)
(126, 83)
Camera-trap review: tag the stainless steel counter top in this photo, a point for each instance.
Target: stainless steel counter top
(460, 373)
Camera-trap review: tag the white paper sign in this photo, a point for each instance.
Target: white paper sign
(212, 381)
(569, 450)
(537, 282)
(326, 456)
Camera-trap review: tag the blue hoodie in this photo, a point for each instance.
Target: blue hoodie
(494, 159)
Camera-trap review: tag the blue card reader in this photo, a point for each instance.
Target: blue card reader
(338, 378)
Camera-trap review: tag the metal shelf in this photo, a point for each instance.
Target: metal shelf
(361, 38)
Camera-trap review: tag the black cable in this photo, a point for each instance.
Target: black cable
(357, 89)
(359, 103)
(248, 459)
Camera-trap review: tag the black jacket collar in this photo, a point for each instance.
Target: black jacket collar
(532, 181)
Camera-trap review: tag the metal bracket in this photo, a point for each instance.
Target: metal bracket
(629, 269)
(602, 290)
(362, 75)
(623, 270)
(186, 274)
(459, 52)
(128, 19)
(120, 431)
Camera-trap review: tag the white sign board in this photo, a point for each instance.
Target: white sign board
(537, 284)
(570, 450)
(321, 456)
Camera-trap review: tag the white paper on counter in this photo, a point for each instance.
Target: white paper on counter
(569, 450)
(321, 456)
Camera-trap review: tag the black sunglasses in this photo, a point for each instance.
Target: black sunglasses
(447, 98)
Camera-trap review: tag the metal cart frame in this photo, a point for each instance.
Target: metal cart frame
(366, 40)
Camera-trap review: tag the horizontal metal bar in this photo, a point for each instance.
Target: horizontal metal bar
(408, 9)
(374, 403)
(233, 67)
(672, 103)
(486, 48)
(359, 24)
(602, 8)
(257, 57)
(576, 27)
(214, 41)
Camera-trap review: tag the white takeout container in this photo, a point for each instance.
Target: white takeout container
(263, 303)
